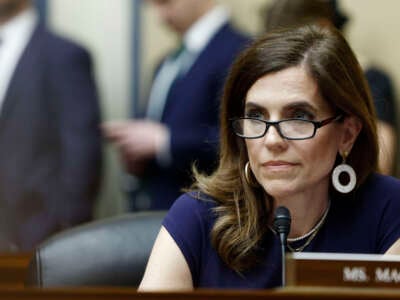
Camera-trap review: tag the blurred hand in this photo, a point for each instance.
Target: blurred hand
(137, 141)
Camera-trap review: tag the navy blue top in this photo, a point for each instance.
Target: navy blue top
(368, 222)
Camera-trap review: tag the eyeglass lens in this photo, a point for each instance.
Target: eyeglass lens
(252, 128)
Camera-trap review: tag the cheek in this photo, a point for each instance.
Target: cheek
(321, 152)
(252, 149)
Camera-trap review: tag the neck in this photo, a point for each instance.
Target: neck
(204, 7)
(8, 13)
(306, 209)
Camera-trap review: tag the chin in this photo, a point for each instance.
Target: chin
(280, 189)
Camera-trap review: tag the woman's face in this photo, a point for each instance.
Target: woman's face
(288, 167)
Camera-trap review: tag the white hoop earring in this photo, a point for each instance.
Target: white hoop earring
(344, 168)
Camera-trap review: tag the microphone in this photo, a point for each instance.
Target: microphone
(282, 221)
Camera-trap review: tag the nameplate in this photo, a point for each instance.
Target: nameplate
(341, 269)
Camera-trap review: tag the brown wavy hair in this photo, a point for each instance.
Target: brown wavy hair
(242, 212)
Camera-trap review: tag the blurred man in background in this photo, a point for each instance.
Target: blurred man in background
(50, 151)
(181, 122)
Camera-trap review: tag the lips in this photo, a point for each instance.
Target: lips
(278, 163)
(278, 166)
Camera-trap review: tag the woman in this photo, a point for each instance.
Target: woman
(289, 13)
(296, 111)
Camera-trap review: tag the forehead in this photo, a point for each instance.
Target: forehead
(282, 88)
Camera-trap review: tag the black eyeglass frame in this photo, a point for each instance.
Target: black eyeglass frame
(317, 125)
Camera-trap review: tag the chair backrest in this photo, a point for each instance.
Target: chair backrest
(109, 252)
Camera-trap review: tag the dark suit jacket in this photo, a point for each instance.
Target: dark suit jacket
(50, 153)
(383, 94)
(192, 114)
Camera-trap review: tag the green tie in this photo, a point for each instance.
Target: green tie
(178, 51)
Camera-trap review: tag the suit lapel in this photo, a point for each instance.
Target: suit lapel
(23, 82)
(198, 66)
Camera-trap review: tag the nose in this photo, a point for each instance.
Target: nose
(273, 140)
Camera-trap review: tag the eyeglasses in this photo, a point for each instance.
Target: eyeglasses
(290, 129)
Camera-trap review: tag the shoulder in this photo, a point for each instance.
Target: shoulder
(381, 205)
(381, 186)
(191, 214)
(234, 35)
(57, 46)
(192, 206)
(373, 200)
(229, 42)
(189, 222)
(221, 51)
(380, 199)
(371, 214)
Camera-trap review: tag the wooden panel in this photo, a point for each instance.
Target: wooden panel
(126, 293)
(13, 268)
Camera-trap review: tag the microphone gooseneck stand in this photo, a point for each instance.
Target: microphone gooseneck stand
(282, 221)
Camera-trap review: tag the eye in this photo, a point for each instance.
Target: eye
(253, 113)
(301, 114)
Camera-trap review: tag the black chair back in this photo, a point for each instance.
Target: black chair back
(108, 252)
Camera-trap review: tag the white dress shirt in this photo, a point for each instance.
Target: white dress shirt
(15, 35)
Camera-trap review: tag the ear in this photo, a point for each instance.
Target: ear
(351, 129)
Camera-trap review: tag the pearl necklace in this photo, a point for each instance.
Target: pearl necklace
(311, 234)
(315, 228)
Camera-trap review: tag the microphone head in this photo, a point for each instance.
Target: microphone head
(282, 220)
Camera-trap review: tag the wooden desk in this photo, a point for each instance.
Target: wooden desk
(13, 268)
(9, 293)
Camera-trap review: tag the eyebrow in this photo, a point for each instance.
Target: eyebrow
(254, 105)
(301, 104)
(290, 106)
